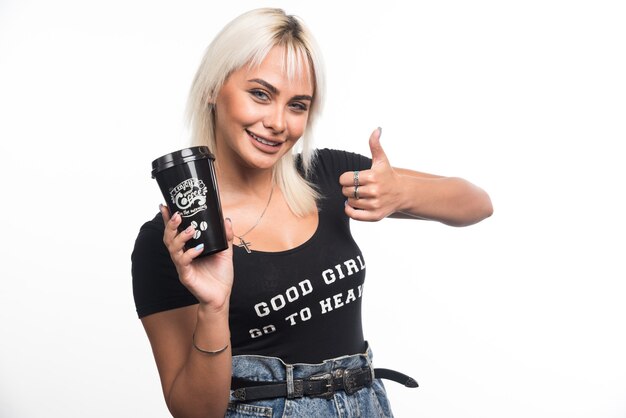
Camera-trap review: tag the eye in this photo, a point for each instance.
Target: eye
(299, 106)
(259, 94)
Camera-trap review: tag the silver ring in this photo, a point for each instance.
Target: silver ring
(356, 179)
(356, 192)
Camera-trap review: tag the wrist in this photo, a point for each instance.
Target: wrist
(213, 311)
(405, 197)
(212, 331)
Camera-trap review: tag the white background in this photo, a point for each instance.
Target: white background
(522, 315)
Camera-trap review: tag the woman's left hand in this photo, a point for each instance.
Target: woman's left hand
(378, 193)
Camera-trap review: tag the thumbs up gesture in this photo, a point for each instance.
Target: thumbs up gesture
(375, 193)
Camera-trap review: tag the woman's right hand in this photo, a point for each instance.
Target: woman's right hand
(209, 278)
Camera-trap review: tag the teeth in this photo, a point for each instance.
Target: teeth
(263, 141)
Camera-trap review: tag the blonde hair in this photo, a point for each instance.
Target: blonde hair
(247, 40)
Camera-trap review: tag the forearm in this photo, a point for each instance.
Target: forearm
(450, 200)
(201, 388)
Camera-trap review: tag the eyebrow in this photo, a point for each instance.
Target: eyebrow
(274, 90)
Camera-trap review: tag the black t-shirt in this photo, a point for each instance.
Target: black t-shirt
(302, 305)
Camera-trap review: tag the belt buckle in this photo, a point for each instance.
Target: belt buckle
(349, 382)
(330, 389)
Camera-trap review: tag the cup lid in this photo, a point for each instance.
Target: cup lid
(182, 156)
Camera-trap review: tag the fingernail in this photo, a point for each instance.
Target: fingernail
(199, 247)
(189, 229)
(230, 221)
(380, 131)
(345, 203)
(160, 206)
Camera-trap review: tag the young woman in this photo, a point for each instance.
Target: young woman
(280, 309)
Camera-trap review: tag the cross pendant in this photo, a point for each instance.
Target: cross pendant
(245, 245)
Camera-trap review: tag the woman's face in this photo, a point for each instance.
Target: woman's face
(260, 113)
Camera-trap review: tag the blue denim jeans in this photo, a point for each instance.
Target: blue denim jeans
(367, 402)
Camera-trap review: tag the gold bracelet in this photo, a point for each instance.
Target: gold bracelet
(193, 341)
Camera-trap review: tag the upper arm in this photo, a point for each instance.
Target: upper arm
(170, 334)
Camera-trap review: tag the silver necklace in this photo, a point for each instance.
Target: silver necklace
(247, 244)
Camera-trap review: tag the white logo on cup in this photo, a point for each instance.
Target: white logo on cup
(196, 235)
(189, 197)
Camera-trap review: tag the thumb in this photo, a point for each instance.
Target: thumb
(378, 154)
(228, 226)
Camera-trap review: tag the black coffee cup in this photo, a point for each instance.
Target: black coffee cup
(188, 183)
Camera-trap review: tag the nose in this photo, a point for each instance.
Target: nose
(275, 120)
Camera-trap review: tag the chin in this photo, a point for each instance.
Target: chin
(264, 162)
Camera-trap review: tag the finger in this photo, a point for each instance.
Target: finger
(363, 203)
(359, 214)
(186, 257)
(175, 241)
(165, 213)
(230, 235)
(348, 178)
(355, 193)
(178, 243)
(176, 246)
(171, 226)
(228, 225)
(378, 154)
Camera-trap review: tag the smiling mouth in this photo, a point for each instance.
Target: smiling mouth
(263, 140)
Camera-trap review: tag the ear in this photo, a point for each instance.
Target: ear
(210, 99)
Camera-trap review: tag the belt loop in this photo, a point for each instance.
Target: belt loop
(289, 381)
(369, 364)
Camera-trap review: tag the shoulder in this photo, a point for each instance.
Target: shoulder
(155, 281)
(149, 238)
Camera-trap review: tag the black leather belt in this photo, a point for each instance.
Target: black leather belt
(321, 385)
